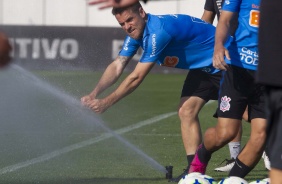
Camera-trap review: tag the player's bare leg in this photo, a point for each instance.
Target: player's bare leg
(255, 144)
(190, 126)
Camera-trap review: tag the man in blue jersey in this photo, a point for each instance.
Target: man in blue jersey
(212, 8)
(189, 120)
(178, 41)
(237, 89)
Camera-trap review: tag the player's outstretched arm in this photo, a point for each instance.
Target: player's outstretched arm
(109, 77)
(112, 3)
(129, 84)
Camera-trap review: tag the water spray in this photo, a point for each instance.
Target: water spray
(88, 114)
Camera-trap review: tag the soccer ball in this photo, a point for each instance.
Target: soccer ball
(233, 180)
(206, 177)
(194, 174)
(189, 175)
(197, 175)
(267, 180)
(259, 182)
(193, 180)
(210, 179)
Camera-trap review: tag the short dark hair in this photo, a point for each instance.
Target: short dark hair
(134, 8)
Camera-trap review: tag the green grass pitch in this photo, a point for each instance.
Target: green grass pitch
(46, 140)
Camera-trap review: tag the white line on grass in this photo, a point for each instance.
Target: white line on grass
(82, 144)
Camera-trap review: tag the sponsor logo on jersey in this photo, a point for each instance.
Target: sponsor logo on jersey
(255, 6)
(254, 18)
(248, 56)
(154, 45)
(127, 41)
(170, 61)
(224, 104)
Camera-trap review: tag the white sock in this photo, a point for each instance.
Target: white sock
(234, 148)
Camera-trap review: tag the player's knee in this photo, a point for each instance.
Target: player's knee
(187, 113)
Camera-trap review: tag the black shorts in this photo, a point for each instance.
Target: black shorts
(201, 84)
(274, 118)
(239, 90)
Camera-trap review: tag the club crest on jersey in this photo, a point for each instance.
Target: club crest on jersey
(224, 104)
(170, 61)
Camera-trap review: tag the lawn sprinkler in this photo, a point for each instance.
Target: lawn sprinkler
(168, 174)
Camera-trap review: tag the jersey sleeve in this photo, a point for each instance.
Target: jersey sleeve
(209, 6)
(231, 5)
(154, 44)
(129, 47)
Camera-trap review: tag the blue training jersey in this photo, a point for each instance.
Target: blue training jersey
(244, 48)
(179, 41)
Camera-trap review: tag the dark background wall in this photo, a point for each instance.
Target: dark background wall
(68, 48)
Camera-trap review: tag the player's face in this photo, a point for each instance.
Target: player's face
(133, 23)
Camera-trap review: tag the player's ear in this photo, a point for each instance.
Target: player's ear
(142, 12)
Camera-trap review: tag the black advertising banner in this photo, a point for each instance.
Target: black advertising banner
(68, 48)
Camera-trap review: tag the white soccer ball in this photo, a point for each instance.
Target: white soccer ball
(204, 176)
(189, 175)
(194, 174)
(267, 180)
(233, 180)
(193, 180)
(259, 182)
(210, 179)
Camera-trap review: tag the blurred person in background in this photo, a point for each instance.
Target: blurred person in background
(5, 49)
(269, 74)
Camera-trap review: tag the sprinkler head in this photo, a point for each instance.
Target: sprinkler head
(168, 174)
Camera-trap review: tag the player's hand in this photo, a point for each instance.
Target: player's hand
(86, 99)
(111, 3)
(97, 105)
(218, 58)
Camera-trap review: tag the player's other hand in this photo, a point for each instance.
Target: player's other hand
(5, 49)
(218, 58)
(85, 99)
(97, 105)
(111, 3)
